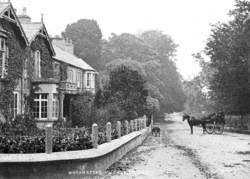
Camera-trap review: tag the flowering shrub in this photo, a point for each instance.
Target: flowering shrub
(114, 134)
(102, 137)
(80, 142)
(22, 144)
(71, 139)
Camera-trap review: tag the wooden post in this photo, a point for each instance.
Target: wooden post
(48, 141)
(126, 127)
(94, 135)
(118, 128)
(131, 125)
(135, 125)
(61, 98)
(108, 131)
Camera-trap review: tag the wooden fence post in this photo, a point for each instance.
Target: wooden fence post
(118, 128)
(131, 125)
(135, 125)
(94, 135)
(49, 140)
(126, 127)
(145, 121)
(108, 131)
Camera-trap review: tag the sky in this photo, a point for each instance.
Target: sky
(186, 21)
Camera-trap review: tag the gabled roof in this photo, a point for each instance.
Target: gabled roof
(33, 29)
(3, 6)
(7, 6)
(71, 59)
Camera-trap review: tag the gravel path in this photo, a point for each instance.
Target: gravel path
(177, 154)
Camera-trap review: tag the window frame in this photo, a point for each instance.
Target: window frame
(88, 81)
(16, 103)
(37, 57)
(4, 50)
(79, 79)
(70, 76)
(40, 101)
(55, 106)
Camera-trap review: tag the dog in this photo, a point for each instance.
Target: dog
(156, 131)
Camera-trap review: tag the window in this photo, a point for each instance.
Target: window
(55, 105)
(70, 76)
(15, 104)
(41, 106)
(88, 79)
(4, 55)
(37, 64)
(79, 79)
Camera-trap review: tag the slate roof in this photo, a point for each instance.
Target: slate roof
(32, 29)
(71, 59)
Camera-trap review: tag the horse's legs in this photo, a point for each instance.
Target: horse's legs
(191, 127)
(204, 128)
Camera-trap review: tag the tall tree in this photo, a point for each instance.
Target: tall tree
(86, 36)
(155, 52)
(228, 48)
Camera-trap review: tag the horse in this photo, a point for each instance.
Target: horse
(194, 122)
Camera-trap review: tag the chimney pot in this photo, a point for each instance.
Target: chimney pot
(24, 11)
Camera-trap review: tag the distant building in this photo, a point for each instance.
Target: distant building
(42, 65)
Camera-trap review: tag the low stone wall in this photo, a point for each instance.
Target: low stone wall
(72, 164)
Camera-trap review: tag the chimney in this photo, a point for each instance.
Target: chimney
(23, 17)
(64, 44)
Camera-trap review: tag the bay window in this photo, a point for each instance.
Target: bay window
(41, 106)
(55, 106)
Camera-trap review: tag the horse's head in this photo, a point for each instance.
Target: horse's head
(185, 116)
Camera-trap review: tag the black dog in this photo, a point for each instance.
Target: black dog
(156, 131)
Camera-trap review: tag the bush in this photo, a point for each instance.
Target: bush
(22, 125)
(22, 144)
(82, 110)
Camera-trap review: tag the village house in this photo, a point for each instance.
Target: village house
(49, 72)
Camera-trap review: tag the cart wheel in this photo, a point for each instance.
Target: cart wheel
(219, 128)
(210, 128)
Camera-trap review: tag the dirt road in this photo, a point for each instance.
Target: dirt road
(177, 154)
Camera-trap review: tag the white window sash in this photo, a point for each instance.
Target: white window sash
(16, 109)
(40, 100)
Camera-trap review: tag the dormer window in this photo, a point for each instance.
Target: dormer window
(37, 64)
(4, 55)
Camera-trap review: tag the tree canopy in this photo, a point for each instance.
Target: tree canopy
(228, 48)
(86, 36)
(154, 54)
(151, 53)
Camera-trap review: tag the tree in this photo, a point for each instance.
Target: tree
(126, 89)
(228, 48)
(86, 36)
(154, 52)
